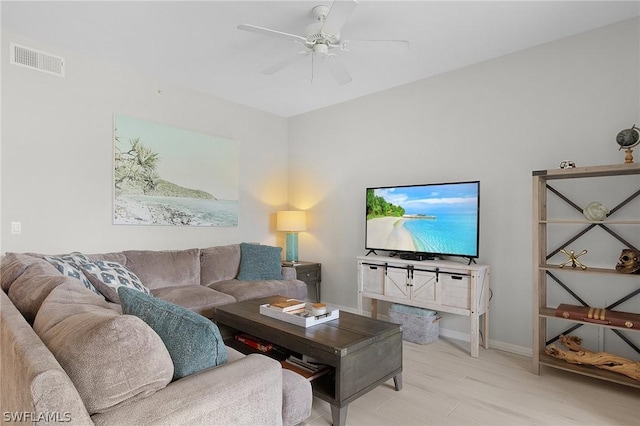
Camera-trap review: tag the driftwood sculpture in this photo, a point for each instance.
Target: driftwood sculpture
(578, 355)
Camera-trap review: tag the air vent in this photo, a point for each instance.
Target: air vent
(36, 60)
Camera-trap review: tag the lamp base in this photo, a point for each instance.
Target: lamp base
(291, 254)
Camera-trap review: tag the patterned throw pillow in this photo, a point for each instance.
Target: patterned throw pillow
(70, 265)
(259, 262)
(109, 276)
(193, 341)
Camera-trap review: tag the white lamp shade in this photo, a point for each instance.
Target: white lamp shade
(291, 221)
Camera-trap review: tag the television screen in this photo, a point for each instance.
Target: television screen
(435, 219)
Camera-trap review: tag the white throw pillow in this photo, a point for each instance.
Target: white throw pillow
(70, 265)
(109, 276)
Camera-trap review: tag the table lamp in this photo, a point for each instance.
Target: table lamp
(291, 222)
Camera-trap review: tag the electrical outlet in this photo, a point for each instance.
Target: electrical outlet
(16, 227)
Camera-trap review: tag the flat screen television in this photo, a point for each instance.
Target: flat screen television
(437, 219)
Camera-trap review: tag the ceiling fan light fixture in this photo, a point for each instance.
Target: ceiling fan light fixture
(320, 49)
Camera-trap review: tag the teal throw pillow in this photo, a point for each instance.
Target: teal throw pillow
(193, 341)
(259, 262)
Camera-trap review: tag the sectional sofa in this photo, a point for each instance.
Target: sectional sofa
(69, 354)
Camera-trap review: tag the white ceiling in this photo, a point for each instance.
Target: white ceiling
(197, 44)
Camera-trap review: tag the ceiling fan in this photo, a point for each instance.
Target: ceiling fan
(322, 38)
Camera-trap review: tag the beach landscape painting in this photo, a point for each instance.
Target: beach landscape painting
(165, 175)
(441, 219)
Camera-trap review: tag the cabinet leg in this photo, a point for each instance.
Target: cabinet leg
(339, 415)
(485, 329)
(475, 334)
(374, 308)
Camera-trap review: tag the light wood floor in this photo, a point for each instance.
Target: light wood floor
(443, 385)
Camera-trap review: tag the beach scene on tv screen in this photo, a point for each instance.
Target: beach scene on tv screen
(431, 218)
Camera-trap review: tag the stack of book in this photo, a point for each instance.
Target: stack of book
(309, 370)
(289, 305)
(254, 342)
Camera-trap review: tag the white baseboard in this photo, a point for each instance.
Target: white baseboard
(465, 337)
(509, 347)
(493, 344)
(452, 334)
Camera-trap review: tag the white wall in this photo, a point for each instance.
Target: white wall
(57, 156)
(497, 122)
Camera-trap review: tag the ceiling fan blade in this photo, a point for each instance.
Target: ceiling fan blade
(337, 16)
(277, 67)
(386, 46)
(338, 69)
(272, 33)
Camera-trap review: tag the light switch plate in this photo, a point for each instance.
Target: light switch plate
(16, 227)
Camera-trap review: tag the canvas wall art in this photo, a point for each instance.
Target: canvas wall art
(165, 175)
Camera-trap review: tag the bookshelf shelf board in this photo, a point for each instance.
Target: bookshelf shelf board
(550, 313)
(587, 370)
(590, 222)
(589, 270)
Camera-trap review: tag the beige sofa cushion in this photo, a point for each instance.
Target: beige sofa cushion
(200, 299)
(33, 285)
(109, 257)
(13, 265)
(219, 264)
(169, 268)
(246, 392)
(112, 359)
(248, 290)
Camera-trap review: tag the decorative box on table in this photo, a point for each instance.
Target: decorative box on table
(298, 317)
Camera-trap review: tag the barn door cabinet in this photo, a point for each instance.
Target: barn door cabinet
(442, 286)
(546, 272)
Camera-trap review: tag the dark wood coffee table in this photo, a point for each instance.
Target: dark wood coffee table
(363, 352)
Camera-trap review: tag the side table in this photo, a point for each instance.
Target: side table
(309, 272)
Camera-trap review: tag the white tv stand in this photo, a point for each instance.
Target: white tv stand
(443, 286)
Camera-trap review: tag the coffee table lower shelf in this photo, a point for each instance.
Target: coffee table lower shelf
(323, 386)
(281, 354)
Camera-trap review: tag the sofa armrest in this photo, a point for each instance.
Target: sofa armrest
(246, 391)
(33, 382)
(289, 273)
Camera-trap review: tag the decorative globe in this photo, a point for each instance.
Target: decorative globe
(628, 138)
